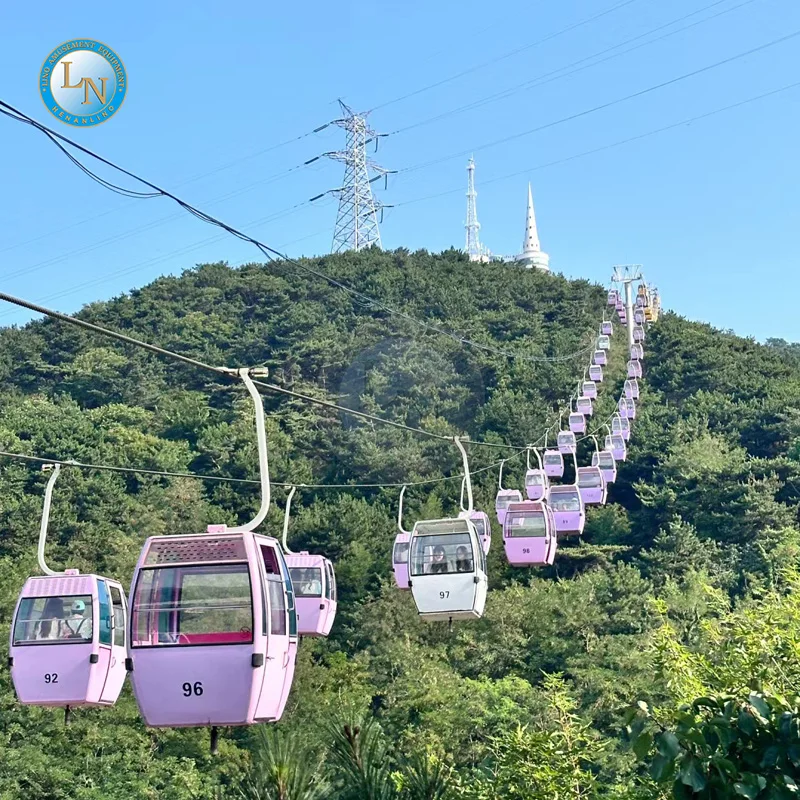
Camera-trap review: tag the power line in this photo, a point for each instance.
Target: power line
(189, 180)
(612, 145)
(557, 74)
(156, 259)
(504, 56)
(269, 252)
(603, 106)
(272, 217)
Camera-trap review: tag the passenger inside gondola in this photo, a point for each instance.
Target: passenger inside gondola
(77, 625)
(439, 562)
(50, 624)
(438, 554)
(307, 582)
(463, 561)
(562, 502)
(52, 619)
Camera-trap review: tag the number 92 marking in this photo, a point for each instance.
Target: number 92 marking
(51, 677)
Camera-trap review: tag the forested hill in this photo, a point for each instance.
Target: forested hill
(695, 551)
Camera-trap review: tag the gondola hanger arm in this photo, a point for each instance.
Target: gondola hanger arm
(48, 499)
(286, 513)
(467, 476)
(247, 375)
(400, 512)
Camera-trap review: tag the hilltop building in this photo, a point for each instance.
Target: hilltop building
(532, 256)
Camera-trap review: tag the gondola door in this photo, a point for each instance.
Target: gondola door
(118, 619)
(290, 657)
(276, 626)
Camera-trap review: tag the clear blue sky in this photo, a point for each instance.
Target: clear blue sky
(712, 209)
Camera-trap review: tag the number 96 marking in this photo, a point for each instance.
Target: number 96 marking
(190, 689)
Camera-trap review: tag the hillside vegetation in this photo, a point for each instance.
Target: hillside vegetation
(682, 586)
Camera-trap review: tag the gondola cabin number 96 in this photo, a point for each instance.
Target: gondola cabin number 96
(190, 689)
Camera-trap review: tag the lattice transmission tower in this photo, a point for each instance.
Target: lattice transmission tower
(357, 218)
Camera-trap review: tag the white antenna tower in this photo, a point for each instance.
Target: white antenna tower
(357, 219)
(474, 248)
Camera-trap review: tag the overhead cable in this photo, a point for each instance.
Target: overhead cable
(271, 253)
(602, 106)
(160, 351)
(225, 479)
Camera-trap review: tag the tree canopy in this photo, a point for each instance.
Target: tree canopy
(680, 595)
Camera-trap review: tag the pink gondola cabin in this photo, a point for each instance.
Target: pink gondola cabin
(314, 584)
(68, 641)
(213, 635)
(529, 534)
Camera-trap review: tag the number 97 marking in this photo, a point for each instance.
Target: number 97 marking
(444, 595)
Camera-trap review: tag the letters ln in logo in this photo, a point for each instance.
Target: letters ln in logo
(83, 82)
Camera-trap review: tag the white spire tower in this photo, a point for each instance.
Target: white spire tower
(474, 248)
(532, 256)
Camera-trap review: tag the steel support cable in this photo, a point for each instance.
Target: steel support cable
(271, 253)
(160, 351)
(217, 478)
(129, 340)
(155, 259)
(267, 219)
(225, 479)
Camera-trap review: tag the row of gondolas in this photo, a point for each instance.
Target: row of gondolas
(215, 618)
(443, 562)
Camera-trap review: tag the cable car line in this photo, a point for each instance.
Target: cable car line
(557, 74)
(125, 339)
(225, 479)
(602, 106)
(271, 253)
